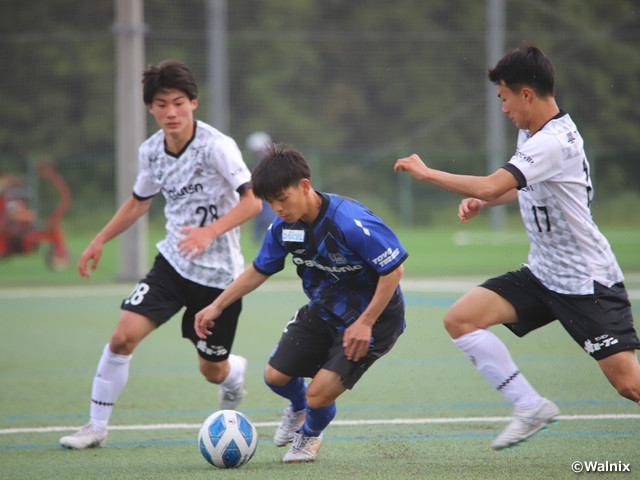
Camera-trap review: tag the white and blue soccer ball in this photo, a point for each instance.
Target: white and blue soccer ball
(227, 439)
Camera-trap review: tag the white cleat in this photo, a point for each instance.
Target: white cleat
(527, 423)
(291, 423)
(230, 399)
(87, 437)
(304, 448)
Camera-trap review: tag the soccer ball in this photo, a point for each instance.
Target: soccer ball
(227, 439)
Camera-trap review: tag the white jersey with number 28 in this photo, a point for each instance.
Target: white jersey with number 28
(199, 185)
(567, 251)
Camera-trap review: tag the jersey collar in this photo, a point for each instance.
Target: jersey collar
(177, 155)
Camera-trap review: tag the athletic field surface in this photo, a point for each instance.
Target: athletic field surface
(422, 411)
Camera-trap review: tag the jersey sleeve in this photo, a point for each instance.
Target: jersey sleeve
(375, 242)
(270, 258)
(146, 185)
(226, 158)
(537, 160)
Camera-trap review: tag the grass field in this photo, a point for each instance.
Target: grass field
(421, 412)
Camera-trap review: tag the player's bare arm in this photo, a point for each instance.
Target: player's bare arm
(358, 336)
(487, 188)
(470, 207)
(127, 215)
(196, 239)
(247, 282)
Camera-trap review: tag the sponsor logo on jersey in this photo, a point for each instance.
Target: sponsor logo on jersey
(174, 193)
(387, 257)
(525, 157)
(603, 341)
(237, 172)
(292, 235)
(300, 252)
(337, 258)
(571, 137)
(326, 268)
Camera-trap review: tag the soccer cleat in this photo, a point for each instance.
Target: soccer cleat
(526, 423)
(230, 399)
(304, 448)
(291, 423)
(87, 437)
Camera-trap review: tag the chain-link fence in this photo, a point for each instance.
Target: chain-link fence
(353, 85)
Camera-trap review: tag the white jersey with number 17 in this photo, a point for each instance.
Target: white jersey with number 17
(200, 185)
(567, 250)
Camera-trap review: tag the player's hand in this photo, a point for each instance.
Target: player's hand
(356, 341)
(92, 254)
(204, 320)
(414, 165)
(195, 240)
(469, 208)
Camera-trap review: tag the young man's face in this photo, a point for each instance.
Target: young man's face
(293, 203)
(515, 105)
(173, 111)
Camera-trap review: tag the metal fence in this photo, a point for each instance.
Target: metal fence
(353, 85)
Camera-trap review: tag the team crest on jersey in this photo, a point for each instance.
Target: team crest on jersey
(197, 169)
(337, 258)
(292, 235)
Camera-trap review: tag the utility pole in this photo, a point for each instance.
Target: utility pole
(129, 31)
(217, 65)
(496, 19)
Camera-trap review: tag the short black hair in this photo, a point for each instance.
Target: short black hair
(525, 66)
(281, 167)
(168, 74)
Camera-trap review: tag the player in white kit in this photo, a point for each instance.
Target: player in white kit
(206, 185)
(571, 276)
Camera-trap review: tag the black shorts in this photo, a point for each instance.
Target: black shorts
(601, 322)
(309, 344)
(163, 292)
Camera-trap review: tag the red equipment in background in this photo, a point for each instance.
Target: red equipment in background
(19, 233)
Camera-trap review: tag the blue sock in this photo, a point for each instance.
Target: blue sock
(318, 419)
(294, 391)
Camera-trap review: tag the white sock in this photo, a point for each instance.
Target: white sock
(492, 359)
(110, 379)
(236, 373)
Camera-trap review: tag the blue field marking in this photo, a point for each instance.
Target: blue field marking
(355, 408)
(260, 366)
(349, 439)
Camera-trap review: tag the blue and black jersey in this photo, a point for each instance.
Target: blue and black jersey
(339, 258)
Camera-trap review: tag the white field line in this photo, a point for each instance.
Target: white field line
(393, 421)
(435, 285)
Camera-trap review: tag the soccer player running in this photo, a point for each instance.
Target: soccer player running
(572, 274)
(205, 183)
(350, 264)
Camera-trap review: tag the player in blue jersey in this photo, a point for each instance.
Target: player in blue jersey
(350, 264)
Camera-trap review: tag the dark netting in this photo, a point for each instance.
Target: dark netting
(353, 85)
